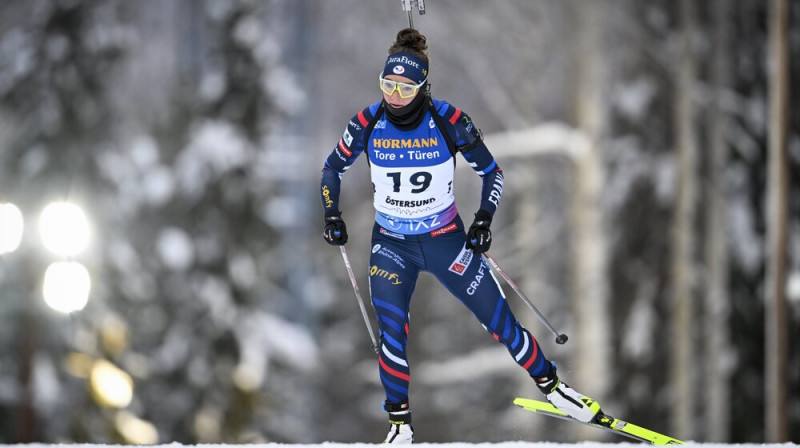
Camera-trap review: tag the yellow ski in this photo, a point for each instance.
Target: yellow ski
(602, 421)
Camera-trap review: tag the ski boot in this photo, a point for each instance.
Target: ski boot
(400, 430)
(565, 398)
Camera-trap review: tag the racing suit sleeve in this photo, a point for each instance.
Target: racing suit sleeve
(482, 161)
(344, 154)
(468, 140)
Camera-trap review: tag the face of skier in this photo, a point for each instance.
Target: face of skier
(399, 88)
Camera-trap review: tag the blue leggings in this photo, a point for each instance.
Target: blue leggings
(395, 263)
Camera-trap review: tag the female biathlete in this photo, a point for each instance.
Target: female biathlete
(410, 140)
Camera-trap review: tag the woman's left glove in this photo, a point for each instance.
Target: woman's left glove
(479, 237)
(335, 232)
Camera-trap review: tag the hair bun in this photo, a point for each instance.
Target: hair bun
(412, 39)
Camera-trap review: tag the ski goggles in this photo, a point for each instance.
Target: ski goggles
(405, 90)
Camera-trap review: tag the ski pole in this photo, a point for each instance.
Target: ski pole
(358, 297)
(560, 338)
(407, 6)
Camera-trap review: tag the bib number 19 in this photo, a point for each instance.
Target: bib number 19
(421, 180)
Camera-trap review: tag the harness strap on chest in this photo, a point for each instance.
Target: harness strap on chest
(369, 128)
(438, 119)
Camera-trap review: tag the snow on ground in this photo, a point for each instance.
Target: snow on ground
(436, 445)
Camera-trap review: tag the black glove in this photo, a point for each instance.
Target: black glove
(335, 232)
(479, 237)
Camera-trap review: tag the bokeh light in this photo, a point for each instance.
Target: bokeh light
(66, 286)
(134, 430)
(64, 228)
(11, 228)
(111, 386)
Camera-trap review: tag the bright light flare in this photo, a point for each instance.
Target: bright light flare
(134, 430)
(64, 228)
(11, 227)
(111, 386)
(66, 286)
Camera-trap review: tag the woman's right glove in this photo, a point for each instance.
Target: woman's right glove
(335, 232)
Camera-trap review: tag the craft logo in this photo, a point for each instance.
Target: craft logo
(473, 285)
(461, 262)
(376, 248)
(375, 271)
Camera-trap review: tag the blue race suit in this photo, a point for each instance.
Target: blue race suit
(417, 228)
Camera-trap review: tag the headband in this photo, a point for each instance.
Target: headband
(406, 64)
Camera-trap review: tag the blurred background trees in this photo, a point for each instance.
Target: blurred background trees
(634, 140)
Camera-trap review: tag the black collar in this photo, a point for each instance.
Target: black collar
(409, 116)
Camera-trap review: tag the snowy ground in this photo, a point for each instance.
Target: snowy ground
(437, 445)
